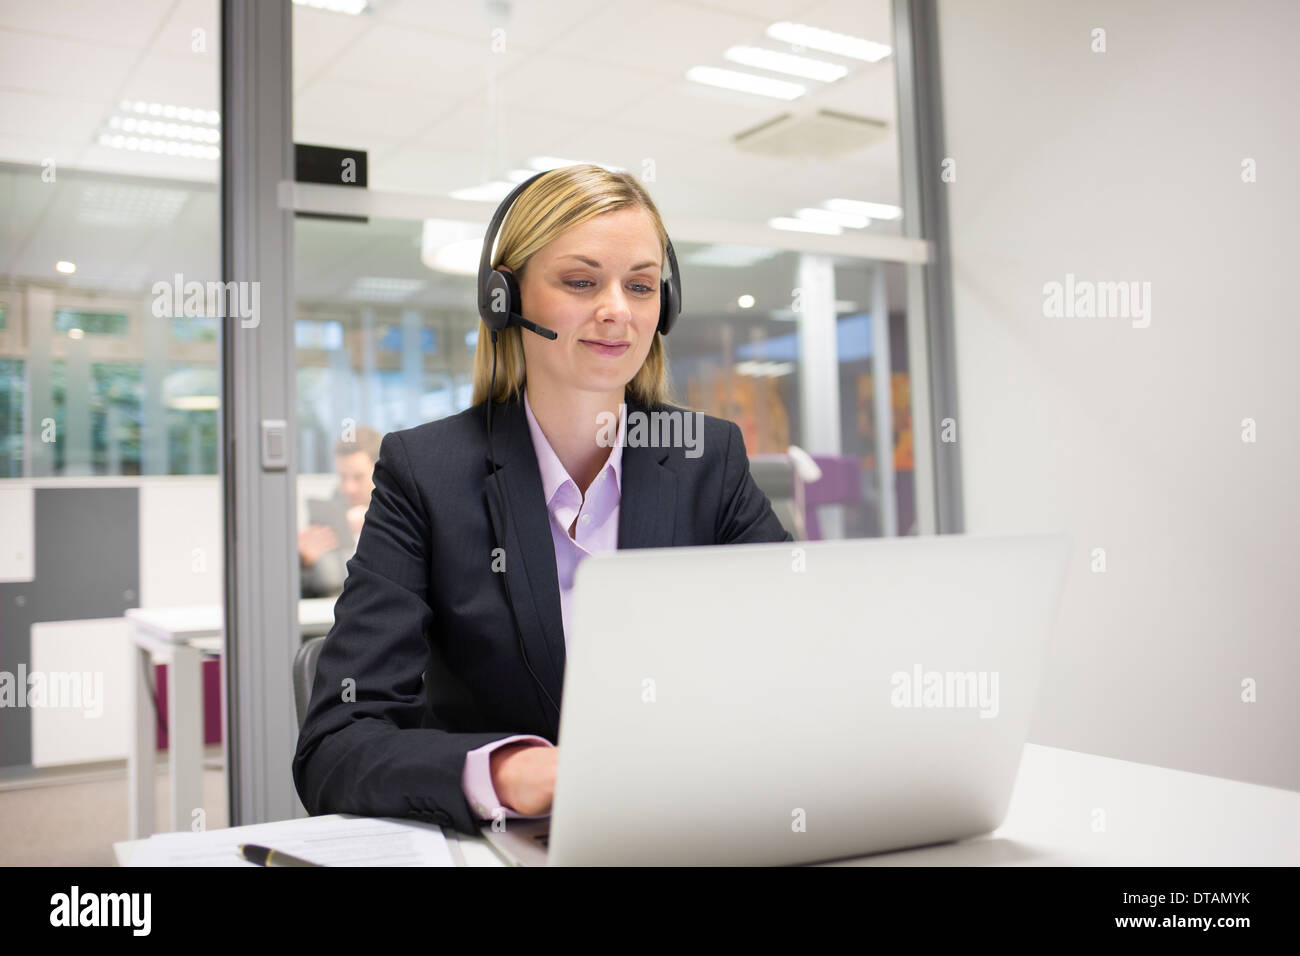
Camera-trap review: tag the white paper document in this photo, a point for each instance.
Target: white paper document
(333, 840)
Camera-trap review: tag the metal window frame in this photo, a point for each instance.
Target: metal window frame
(931, 334)
(260, 727)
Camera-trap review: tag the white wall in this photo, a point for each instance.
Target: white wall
(1127, 165)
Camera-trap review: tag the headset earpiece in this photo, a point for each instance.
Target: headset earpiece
(502, 298)
(670, 295)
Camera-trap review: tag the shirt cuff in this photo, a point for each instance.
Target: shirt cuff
(476, 781)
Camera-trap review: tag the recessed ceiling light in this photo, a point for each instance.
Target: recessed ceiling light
(805, 225)
(745, 302)
(873, 210)
(66, 267)
(76, 333)
(841, 44)
(746, 82)
(779, 62)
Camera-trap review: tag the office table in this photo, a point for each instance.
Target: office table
(1076, 809)
(179, 637)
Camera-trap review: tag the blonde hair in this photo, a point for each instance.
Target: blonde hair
(554, 203)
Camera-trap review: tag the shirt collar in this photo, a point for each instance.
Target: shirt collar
(553, 472)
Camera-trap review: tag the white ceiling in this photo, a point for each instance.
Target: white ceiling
(416, 84)
(603, 80)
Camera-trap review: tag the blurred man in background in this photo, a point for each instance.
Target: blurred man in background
(334, 524)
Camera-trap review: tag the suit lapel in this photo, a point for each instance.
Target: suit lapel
(529, 551)
(648, 498)
(647, 506)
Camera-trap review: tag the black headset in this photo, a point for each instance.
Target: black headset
(499, 302)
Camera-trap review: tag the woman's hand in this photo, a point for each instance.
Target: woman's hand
(523, 775)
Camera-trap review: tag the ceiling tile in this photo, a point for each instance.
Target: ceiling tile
(402, 58)
(129, 25)
(180, 34)
(585, 90)
(51, 65)
(178, 80)
(354, 114)
(662, 37)
(318, 38)
(531, 24)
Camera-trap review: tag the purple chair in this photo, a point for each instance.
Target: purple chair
(840, 484)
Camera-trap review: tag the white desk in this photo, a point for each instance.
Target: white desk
(1152, 817)
(179, 637)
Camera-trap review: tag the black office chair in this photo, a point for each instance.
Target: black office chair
(304, 674)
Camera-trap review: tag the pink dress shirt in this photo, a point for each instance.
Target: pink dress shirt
(596, 532)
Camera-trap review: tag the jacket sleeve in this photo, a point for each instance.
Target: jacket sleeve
(365, 746)
(746, 515)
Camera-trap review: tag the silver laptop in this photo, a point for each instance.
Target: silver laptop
(795, 702)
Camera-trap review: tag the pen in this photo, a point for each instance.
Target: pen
(265, 856)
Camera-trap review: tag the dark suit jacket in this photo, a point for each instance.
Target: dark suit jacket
(422, 664)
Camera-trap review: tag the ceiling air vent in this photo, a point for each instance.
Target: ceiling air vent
(811, 135)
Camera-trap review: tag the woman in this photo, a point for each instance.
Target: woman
(437, 691)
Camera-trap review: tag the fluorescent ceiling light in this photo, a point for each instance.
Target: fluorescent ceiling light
(147, 144)
(488, 192)
(828, 41)
(449, 246)
(543, 163)
(790, 315)
(759, 369)
(745, 82)
(779, 62)
(805, 225)
(834, 218)
(351, 7)
(66, 267)
(874, 210)
(499, 189)
(164, 128)
(728, 256)
(186, 114)
(458, 258)
(195, 403)
(540, 163)
(117, 204)
(384, 289)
